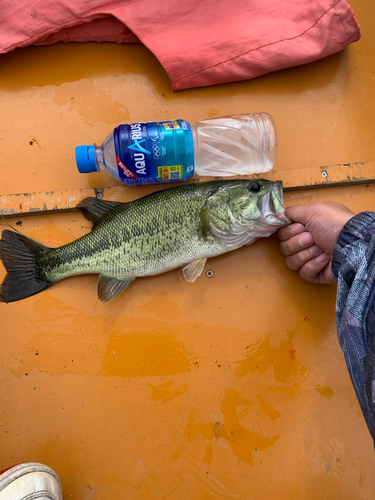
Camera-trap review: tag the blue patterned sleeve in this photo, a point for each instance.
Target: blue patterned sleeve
(353, 267)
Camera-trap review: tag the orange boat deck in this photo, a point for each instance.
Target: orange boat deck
(234, 386)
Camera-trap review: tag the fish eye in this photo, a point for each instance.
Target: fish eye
(254, 188)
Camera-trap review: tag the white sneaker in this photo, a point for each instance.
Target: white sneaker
(30, 481)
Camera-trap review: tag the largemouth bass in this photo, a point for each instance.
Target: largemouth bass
(179, 227)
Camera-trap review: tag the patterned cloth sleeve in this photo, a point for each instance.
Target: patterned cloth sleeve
(353, 267)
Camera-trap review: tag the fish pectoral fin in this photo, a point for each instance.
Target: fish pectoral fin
(205, 220)
(193, 270)
(110, 288)
(94, 210)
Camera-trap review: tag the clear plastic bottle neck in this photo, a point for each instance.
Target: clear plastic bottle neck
(99, 158)
(105, 157)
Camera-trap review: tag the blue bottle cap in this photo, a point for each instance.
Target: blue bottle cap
(85, 159)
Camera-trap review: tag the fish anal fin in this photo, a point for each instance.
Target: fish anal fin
(94, 210)
(110, 288)
(193, 270)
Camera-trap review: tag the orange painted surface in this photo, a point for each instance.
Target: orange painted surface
(230, 387)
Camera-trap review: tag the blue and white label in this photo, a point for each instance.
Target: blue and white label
(153, 152)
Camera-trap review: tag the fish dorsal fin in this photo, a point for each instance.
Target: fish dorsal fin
(110, 288)
(193, 270)
(94, 210)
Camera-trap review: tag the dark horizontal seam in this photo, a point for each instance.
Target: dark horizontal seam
(73, 38)
(129, 3)
(51, 31)
(260, 47)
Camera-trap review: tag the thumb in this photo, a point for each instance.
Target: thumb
(299, 213)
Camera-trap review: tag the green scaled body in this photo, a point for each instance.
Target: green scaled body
(174, 228)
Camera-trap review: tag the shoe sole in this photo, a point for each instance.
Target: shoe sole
(43, 483)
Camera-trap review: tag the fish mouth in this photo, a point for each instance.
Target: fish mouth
(272, 206)
(276, 198)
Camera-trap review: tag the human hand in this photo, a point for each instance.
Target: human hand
(308, 244)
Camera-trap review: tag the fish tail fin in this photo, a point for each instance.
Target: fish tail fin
(20, 258)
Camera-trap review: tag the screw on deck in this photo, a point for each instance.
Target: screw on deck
(99, 193)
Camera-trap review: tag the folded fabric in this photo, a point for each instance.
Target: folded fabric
(198, 42)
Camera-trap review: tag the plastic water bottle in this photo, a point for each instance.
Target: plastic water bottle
(174, 150)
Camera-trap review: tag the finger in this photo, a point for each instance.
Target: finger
(285, 233)
(325, 277)
(296, 244)
(296, 261)
(310, 271)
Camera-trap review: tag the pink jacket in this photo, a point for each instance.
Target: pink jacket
(198, 42)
